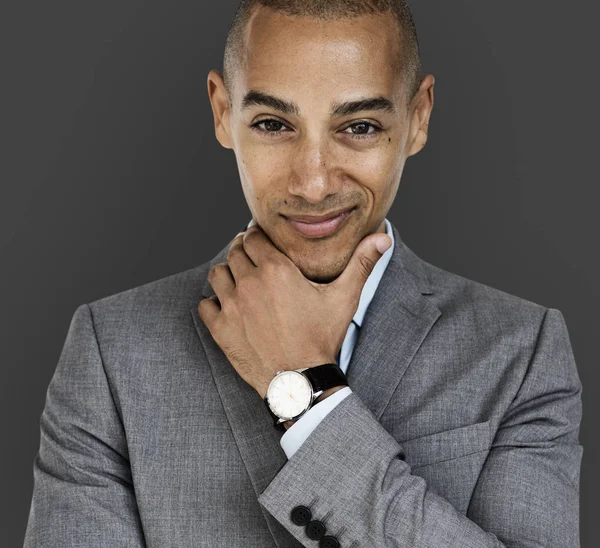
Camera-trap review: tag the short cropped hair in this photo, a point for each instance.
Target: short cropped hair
(409, 64)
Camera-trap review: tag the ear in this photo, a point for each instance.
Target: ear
(221, 107)
(421, 107)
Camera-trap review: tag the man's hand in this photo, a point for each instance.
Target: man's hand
(266, 316)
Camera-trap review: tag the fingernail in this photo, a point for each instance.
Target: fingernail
(383, 245)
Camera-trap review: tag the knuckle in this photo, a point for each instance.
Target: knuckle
(217, 269)
(365, 265)
(202, 308)
(237, 246)
(228, 308)
(272, 269)
(205, 307)
(232, 252)
(250, 235)
(275, 272)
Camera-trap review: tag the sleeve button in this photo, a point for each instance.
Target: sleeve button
(329, 542)
(301, 515)
(315, 529)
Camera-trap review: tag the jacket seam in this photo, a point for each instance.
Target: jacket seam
(102, 362)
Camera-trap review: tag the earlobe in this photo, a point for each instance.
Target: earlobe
(219, 100)
(419, 142)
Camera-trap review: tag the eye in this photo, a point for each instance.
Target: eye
(272, 128)
(362, 126)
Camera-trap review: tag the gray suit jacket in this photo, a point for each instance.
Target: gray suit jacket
(461, 431)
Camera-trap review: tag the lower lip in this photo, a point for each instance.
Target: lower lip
(320, 230)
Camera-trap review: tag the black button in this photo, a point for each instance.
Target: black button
(315, 529)
(301, 515)
(329, 542)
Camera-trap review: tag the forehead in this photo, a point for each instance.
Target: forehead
(293, 55)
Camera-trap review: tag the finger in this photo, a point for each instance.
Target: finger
(221, 280)
(236, 236)
(208, 310)
(259, 247)
(361, 264)
(239, 262)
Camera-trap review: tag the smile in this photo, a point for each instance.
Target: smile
(320, 229)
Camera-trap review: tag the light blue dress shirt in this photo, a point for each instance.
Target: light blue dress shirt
(295, 436)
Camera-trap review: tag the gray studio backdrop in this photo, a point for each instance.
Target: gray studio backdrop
(111, 175)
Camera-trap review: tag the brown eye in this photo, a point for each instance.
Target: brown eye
(270, 126)
(273, 125)
(362, 130)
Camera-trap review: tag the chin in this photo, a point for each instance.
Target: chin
(320, 277)
(318, 264)
(320, 272)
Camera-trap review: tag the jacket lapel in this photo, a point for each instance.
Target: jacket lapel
(397, 321)
(395, 324)
(250, 421)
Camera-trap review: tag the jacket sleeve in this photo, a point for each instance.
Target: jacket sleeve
(83, 493)
(296, 434)
(352, 474)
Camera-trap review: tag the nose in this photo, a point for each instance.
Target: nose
(313, 175)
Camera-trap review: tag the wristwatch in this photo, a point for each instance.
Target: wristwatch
(291, 393)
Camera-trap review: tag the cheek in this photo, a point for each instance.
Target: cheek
(381, 159)
(378, 169)
(268, 169)
(262, 171)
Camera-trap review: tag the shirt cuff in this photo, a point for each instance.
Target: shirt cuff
(296, 434)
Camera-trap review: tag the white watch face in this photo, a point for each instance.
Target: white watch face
(289, 394)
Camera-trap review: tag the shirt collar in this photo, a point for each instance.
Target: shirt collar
(368, 290)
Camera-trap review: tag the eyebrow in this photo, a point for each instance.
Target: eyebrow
(258, 98)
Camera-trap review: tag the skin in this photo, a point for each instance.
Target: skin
(316, 163)
(266, 315)
(283, 298)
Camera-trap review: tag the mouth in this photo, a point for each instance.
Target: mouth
(321, 226)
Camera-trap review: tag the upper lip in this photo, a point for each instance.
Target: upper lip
(319, 218)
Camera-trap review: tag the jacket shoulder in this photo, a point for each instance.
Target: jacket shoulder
(169, 297)
(489, 306)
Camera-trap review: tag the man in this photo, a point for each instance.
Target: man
(447, 412)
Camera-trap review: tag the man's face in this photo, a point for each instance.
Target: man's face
(317, 157)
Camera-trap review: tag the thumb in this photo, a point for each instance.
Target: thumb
(363, 260)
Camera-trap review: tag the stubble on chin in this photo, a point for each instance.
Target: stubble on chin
(321, 269)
